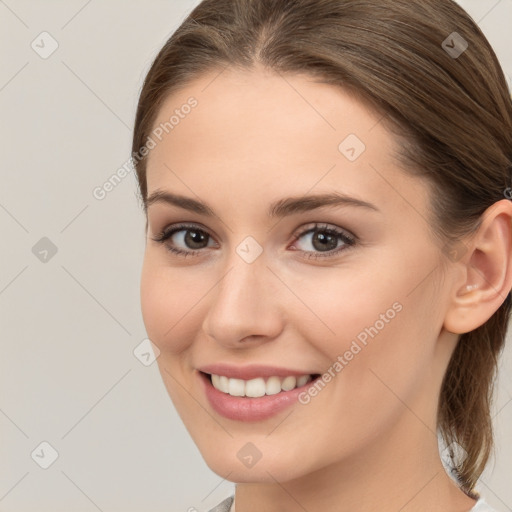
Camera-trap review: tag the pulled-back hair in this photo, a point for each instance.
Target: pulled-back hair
(451, 113)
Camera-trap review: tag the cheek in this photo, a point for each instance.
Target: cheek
(377, 370)
(377, 329)
(168, 301)
(383, 301)
(356, 302)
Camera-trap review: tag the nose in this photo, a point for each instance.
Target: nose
(245, 305)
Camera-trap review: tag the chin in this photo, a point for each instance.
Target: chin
(265, 470)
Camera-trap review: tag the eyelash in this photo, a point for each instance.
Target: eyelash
(349, 241)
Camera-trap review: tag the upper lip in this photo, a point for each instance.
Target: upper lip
(250, 372)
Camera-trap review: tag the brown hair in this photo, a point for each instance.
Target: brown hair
(451, 113)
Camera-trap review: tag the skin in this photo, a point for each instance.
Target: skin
(367, 440)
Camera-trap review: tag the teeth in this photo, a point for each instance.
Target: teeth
(302, 380)
(236, 387)
(224, 383)
(273, 386)
(255, 388)
(288, 383)
(216, 382)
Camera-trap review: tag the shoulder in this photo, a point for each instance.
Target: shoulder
(224, 506)
(482, 506)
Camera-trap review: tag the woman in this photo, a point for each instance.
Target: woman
(328, 257)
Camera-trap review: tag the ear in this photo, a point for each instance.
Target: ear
(484, 272)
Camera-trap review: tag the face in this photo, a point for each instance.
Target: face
(348, 290)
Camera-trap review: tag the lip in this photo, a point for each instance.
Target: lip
(251, 372)
(247, 409)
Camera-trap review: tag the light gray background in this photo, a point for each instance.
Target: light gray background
(70, 325)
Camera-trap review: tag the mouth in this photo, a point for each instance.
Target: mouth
(259, 386)
(256, 399)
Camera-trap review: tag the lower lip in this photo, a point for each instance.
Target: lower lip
(246, 408)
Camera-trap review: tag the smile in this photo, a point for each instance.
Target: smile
(258, 387)
(254, 398)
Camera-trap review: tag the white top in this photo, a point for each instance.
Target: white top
(481, 506)
(228, 505)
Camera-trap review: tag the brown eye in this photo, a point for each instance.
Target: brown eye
(184, 239)
(194, 238)
(324, 239)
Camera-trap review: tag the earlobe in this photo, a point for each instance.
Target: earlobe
(487, 267)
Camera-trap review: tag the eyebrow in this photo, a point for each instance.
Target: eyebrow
(280, 208)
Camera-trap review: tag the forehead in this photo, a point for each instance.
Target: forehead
(271, 108)
(270, 133)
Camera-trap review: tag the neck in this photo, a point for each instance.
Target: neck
(401, 471)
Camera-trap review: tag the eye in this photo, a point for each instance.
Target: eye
(325, 241)
(190, 237)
